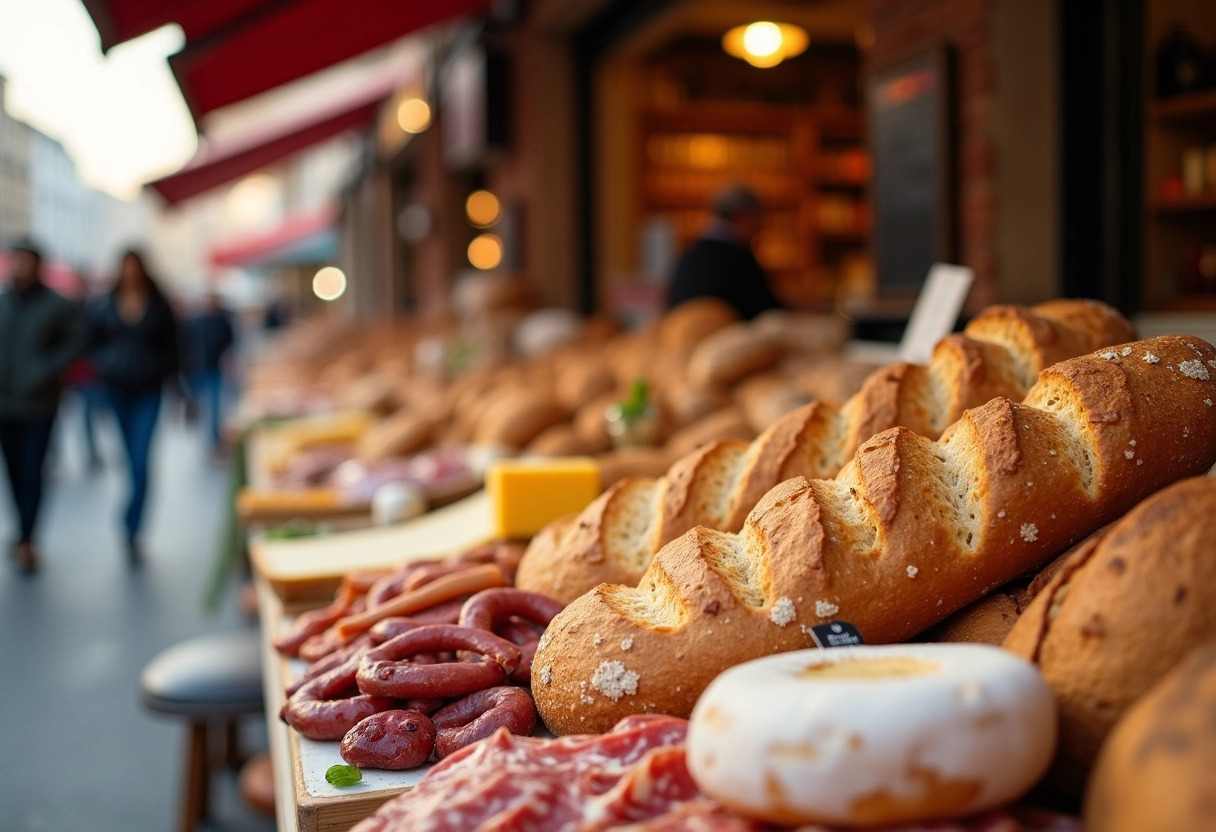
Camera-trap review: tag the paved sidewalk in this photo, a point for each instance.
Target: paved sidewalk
(76, 749)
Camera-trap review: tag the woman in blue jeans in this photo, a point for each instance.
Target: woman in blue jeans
(135, 350)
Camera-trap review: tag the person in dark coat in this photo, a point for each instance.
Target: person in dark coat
(209, 338)
(41, 334)
(721, 263)
(134, 347)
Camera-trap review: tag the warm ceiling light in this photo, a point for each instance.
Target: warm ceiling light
(485, 252)
(413, 115)
(329, 283)
(765, 43)
(482, 209)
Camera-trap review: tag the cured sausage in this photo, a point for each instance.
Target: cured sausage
(480, 714)
(323, 665)
(493, 609)
(446, 613)
(442, 589)
(320, 711)
(491, 606)
(394, 740)
(315, 622)
(382, 671)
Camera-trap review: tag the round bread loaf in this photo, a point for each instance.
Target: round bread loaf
(516, 419)
(1120, 615)
(732, 353)
(811, 736)
(590, 424)
(580, 380)
(1158, 768)
(687, 403)
(401, 434)
(690, 323)
(560, 440)
(727, 423)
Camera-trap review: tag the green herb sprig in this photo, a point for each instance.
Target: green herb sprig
(342, 776)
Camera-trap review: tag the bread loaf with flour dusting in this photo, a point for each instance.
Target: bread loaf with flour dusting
(908, 532)
(999, 354)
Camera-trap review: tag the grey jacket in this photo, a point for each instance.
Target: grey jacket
(41, 334)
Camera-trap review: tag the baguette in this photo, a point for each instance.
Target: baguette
(716, 485)
(910, 531)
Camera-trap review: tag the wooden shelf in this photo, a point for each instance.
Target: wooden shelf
(1188, 205)
(841, 182)
(1187, 303)
(1188, 107)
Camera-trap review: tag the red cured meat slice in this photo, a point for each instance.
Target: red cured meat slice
(508, 782)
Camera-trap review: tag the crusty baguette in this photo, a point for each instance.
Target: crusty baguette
(910, 531)
(716, 485)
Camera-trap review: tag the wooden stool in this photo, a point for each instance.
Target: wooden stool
(257, 784)
(211, 680)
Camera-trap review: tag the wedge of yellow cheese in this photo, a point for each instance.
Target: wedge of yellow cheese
(528, 495)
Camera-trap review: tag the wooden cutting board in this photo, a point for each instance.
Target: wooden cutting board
(311, 567)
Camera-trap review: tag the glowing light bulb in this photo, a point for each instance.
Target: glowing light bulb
(482, 208)
(413, 115)
(762, 39)
(485, 252)
(329, 283)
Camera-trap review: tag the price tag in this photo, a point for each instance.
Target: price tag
(836, 634)
(936, 310)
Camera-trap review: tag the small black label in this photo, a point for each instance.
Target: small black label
(836, 634)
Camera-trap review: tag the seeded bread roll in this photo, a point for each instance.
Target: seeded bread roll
(1124, 610)
(910, 531)
(999, 355)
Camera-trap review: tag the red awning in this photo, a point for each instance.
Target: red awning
(236, 49)
(223, 161)
(121, 20)
(300, 238)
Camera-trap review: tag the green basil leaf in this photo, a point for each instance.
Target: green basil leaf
(340, 775)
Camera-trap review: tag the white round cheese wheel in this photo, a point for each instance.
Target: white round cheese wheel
(867, 736)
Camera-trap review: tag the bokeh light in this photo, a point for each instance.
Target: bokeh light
(485, 252)
(413, 115)
(329, 283)
(482, 209)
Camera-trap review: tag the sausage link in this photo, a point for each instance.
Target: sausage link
(491, 606)
(480, 714)
(446, 613)
(394, 740)
(320, 711)
(382, 671)
(315, 622)
(323, 665)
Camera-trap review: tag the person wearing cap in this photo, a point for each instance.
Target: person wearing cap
(41, 334)
(721, 263)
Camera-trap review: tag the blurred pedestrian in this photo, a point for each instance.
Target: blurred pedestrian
(41, 334)
(134, 347)
(209, 338)
(721, 263)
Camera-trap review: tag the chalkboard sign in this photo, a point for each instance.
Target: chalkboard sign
(910, 137)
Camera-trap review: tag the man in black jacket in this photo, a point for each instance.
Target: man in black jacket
(41, 333)
(721, 264)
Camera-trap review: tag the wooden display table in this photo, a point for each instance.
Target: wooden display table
(293, 575)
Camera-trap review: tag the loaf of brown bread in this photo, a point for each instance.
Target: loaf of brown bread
(910, 531)
(1158, 769)
(1124, 611)
(716, 485)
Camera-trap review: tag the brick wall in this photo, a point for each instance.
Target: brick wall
(903, 28)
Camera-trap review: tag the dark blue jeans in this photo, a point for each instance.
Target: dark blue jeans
(136, 415)
(24, 443)
(208, 387)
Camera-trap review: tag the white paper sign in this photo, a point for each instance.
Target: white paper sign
(937, 308)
